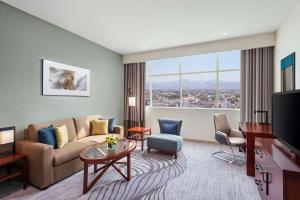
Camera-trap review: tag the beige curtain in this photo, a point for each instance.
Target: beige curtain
(256, 83)
(134, 86)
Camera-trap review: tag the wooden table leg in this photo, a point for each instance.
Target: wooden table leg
(25, 173)
(250, 156)
(85, 178)
(142, 141)
(128, 167)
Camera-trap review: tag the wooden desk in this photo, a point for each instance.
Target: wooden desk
(251, 131)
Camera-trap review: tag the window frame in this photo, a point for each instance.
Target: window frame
(217, 71)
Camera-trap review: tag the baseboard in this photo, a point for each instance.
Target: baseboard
(200, 141)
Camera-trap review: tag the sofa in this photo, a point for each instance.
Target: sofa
(47, 165)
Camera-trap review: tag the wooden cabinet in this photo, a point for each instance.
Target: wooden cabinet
(277, 170)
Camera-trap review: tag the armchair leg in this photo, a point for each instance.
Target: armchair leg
(215, 155)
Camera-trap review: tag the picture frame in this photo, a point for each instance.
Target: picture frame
(65, 80)
(288, 73)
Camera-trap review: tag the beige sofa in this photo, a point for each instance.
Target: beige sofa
(47, 165)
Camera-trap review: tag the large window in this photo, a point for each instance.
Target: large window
(204, 81)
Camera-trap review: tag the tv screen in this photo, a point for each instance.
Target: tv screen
(286, 118)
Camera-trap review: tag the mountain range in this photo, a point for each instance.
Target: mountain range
(192, 85)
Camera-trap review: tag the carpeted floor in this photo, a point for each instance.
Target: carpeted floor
(194, 175)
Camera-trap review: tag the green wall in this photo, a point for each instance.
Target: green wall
(24, 41)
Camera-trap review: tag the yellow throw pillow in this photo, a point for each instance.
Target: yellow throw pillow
(100, 127)
(62, 137)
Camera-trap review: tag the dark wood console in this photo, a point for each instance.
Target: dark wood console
(277, 170)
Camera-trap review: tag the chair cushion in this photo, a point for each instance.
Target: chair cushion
(165, 142)
(166, 127)
(100, 127)
(69, 152)
(47, 136)
(61, 134)
(237, 141)
(83, 125)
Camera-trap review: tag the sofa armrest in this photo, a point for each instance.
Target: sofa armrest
(40, 162)
(119, 130)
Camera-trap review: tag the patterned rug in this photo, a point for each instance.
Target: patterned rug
(195, 175)
(151, 173)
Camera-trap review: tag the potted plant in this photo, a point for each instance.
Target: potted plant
(111, 141)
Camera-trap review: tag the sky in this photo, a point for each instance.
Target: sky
(203, 62)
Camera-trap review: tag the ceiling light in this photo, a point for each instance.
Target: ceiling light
(145, 47)
(224, 33)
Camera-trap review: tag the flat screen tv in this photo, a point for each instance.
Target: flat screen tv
(286, 118)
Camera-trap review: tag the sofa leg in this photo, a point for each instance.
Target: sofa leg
(148, 150)
(175, 155)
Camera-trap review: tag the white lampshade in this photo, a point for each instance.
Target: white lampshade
(6, 137)
(131, 101)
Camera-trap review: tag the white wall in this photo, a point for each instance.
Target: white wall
(197, 123)
(287, 42)
(247, 42)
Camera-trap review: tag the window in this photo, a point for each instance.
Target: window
(204, 81)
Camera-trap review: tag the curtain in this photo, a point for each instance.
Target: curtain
(256, 83)
(134, 86)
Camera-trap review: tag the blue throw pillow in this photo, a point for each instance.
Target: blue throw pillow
(111, 124)
(47, 136)
(169, 128)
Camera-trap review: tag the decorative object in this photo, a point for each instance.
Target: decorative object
(65, 80)
(288, 73)
(7, 136)
(111, 141)
(131, 101)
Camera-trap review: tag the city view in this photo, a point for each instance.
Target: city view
(229, 96)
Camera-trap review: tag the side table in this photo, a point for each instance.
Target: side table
(10, 160)
(138, 134)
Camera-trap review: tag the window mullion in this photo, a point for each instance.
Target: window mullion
(180, 77)
(218, 82)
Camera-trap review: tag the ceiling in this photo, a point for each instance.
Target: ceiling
(128, 26)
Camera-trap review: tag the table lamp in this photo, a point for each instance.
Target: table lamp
(7, 136)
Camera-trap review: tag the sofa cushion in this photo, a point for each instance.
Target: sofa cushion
(70, 127)
(100, 127)
(69, 152)
(47, 136)
(61, 133)
(83, 125)
(34, 128)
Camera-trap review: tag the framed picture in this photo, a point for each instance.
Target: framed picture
(65, 80)
(288, 73)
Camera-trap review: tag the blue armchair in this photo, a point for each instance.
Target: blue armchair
(169, 139)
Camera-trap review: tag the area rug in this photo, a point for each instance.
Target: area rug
(150, 175)
(195, 175)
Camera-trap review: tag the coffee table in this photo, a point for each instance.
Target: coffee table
(99, 154)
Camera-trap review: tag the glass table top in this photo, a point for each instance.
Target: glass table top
(100, 151)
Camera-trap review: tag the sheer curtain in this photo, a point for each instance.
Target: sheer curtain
(256, 83)
(134, 86)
